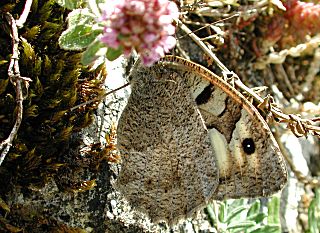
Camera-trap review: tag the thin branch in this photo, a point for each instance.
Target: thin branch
(20, 22)
(18, 81)
(208, 24)
(98, 98)
(202, 45)
(299, 126)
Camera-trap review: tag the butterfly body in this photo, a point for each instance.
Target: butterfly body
(186, 137)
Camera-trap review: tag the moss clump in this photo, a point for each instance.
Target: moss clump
(59, 82)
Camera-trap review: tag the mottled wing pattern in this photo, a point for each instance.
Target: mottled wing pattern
(169, 169)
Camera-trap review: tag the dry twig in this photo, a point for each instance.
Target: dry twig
(299, 126)
(20, 22)
(16, 79)
(99, 98)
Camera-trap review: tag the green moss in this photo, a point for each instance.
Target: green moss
(40, 150)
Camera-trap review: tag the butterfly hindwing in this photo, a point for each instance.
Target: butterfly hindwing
(249, 160)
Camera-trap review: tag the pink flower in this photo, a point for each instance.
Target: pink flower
(110, 37)
(150, 37)
(142, 25)
(137, 7)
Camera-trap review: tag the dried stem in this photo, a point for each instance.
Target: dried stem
(18, 81)
(98, 98)
(202, 45)
(20, 22)
(300, 127)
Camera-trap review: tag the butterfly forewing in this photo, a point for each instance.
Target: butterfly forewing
(169, 168)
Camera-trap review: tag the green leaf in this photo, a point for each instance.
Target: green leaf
(70, 4)
(235, 203)
(80, 16)
(222, 211)
(253, 228)
(210, 213)
(274, 210)
(317, 197)
(311, 217)
(113, 54)
(258, 218)
(314, 213)
(78, 37)
(254, 208)
(234, 213)
(241, 225)
(95, 50)
(267, 229)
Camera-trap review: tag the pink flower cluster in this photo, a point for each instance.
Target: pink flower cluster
(143, 25)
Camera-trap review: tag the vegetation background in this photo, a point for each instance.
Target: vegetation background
(58, 173)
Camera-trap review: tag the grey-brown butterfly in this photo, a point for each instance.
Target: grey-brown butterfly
(187, 137)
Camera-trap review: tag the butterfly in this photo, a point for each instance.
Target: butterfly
(187, 137)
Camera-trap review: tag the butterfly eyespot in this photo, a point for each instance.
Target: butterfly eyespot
(248, 146)
(204, 96)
